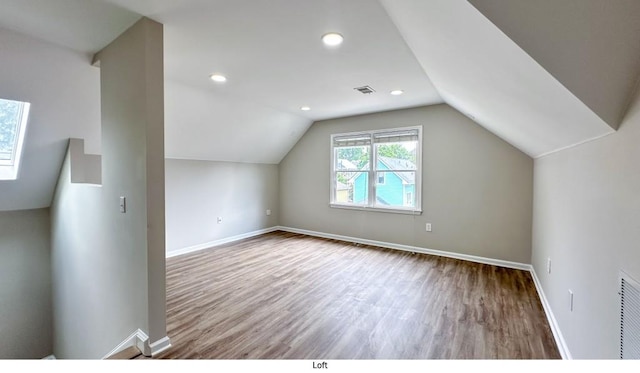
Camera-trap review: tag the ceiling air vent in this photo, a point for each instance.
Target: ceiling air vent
(365, 89)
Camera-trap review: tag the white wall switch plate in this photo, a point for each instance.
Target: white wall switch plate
(570, 300)
(219, 219)
(268, 212)
(549, 265)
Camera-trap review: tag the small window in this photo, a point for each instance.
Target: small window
(377, 170)
(13, 123)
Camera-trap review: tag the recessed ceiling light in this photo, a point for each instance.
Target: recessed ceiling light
(397, 92)
(218, 78)
(305, 108)
(332, 39)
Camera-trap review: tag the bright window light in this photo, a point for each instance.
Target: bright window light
(377, 170)
(13, 125)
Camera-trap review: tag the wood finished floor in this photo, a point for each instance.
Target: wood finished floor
(289, 296)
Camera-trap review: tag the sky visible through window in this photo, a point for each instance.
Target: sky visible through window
(11, 125)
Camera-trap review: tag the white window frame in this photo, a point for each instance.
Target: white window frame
(9, 168)
(373, 177)
(406, 197)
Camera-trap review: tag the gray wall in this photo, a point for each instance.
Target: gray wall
(477, 189)
(25, 285)
(587, 220)
(108, 267)
(198, 192)
(64, 91)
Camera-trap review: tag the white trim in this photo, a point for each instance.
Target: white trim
(160, 345)
(397, 210)
(143, 343)
(389, 245)
(575, 145)
(555, 328)
(138, 339)
(208, 245)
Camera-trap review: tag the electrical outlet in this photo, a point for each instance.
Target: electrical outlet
(428, 227)
(219, 219)
(268, 212)
(570, 300)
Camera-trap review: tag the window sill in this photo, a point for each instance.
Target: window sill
(376, 209)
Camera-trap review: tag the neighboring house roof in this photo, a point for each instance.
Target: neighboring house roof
(382, 201)
(400, 164)
(345, 164)
(391, 163)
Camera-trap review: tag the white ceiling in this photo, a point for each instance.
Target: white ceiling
(275, 63)
(591, 46)
(484, 74)
(270, 52)
(82, 25)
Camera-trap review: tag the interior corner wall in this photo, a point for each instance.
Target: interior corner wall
(476, 188)
(587, 221)
(64, 91)
(198, 192)
(104, 262)
(25, 285)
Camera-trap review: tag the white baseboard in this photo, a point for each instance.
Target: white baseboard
(138, 339)
(555, 328)
(160, 345)
(208, 245)
(415, 249)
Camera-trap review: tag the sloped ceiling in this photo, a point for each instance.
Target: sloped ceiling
(542, 76)
(82, 25)
(592, 47)
(64, 92)
(271, 53)
(484, 74)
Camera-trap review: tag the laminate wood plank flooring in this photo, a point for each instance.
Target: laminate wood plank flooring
(290, 296)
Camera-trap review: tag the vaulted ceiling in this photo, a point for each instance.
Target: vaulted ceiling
(543, 75)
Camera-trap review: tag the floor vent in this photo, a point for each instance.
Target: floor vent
(629, 317)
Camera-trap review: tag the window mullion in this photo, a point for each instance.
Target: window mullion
(373, 171)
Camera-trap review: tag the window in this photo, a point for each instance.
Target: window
(377, 170)
(13, 123)
(409, 200)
